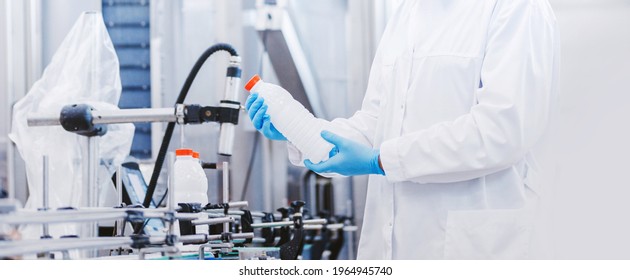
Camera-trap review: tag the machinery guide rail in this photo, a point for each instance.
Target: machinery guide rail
(224, 242)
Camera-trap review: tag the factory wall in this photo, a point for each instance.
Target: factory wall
(588, 159)
(3, 96)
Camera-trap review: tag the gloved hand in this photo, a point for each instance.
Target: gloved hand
(347, 158)
(257, 110)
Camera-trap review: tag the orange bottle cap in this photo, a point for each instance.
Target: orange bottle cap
(184, 152)
(252, 82)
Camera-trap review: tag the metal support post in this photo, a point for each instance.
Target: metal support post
(91, 182)
(45, 191)
(120, 224)
(226, 195)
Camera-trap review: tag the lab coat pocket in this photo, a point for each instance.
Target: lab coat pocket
(487, 234)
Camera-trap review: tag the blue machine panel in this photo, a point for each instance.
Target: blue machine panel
(128, 23)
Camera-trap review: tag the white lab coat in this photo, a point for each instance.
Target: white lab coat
(459, 93)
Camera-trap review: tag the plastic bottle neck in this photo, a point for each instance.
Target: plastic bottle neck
(255, 87)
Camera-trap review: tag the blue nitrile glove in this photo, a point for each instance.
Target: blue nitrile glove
(347, 158)
(257, 110)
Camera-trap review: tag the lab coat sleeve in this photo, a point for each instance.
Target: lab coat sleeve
(518, 74)
(361, 127)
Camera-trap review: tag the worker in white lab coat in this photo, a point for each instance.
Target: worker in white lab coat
(459, 93)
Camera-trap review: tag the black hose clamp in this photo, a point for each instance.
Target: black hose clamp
(224, 206)
(134, 216)
(139, 241)
(190, 207)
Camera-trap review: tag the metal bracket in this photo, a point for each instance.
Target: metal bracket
(228, 113)
(226, 237)
(180, 113)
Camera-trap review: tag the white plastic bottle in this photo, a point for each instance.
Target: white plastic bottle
(290, 117)
(202, 175)
(203, 186)
(190, 187)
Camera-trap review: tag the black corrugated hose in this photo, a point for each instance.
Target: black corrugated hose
(168, 134)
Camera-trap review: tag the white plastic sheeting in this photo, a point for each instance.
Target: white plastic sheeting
(84, 69)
